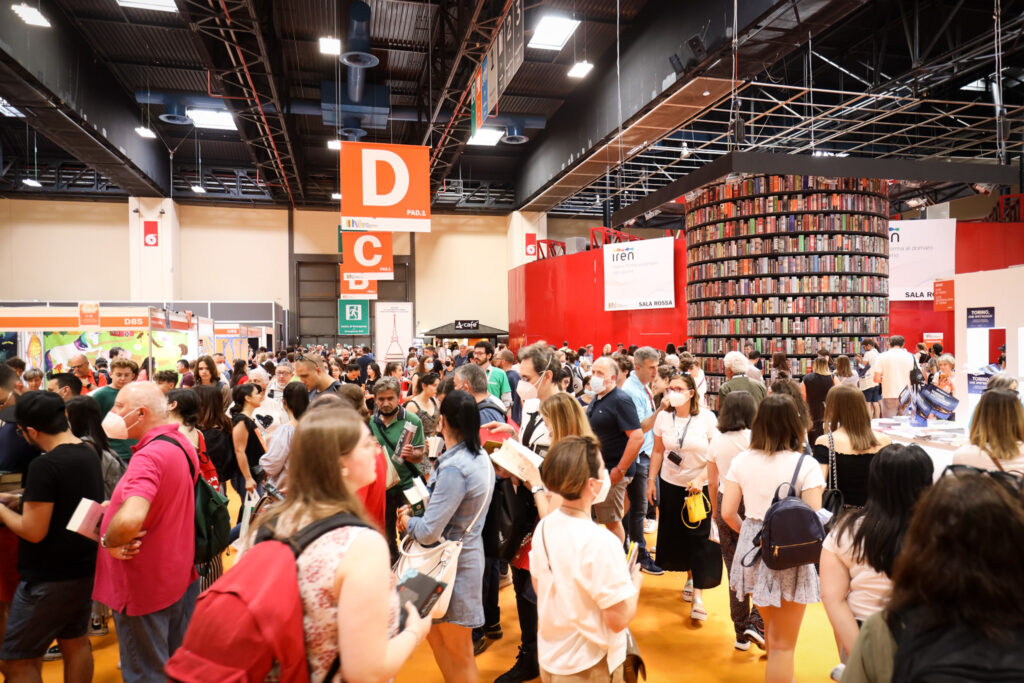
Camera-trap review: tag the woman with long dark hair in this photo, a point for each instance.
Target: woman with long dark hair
(246, 436)
(463, 484)
(207, 373)
(239, 372)
(858, 555)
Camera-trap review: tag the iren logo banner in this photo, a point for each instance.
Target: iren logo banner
(385, 187)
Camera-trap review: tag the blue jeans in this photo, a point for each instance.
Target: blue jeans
(147, 641)
(637, 492)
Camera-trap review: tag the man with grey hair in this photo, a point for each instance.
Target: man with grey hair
(473, 380)
(283, 373)
(736, 379)
(269, 415)
(151, 586)
(637, 388)
(615, 423)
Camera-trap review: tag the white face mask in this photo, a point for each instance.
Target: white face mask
(429, 366)
(527, 390)
(597, 384)
(114, 425)
(606, 485)
(678, 398)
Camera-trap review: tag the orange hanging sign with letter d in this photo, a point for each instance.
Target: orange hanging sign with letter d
(367, 256)
(385, 187)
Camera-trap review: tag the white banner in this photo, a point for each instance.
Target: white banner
(639, 275)
(920, 252)
(394, 330)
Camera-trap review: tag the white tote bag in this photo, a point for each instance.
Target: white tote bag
(439, 562)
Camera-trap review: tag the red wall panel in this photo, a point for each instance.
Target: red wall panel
(562, 299)
(988, 246)
(911, 319)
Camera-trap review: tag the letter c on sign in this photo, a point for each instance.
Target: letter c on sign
(361, 245)
(371, 196)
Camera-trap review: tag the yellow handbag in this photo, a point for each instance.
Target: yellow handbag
(696, 509)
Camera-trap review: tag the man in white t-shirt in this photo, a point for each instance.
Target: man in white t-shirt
(867, 384)
(893, 373)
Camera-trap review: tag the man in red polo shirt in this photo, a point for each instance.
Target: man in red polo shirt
(145, 570)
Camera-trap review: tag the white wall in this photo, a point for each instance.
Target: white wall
(52, 250)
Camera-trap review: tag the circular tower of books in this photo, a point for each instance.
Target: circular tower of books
(785, 263)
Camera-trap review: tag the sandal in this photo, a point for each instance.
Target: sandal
(697, 611)
(688, 591)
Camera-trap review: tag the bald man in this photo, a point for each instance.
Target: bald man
(150, 583)
(79, 365)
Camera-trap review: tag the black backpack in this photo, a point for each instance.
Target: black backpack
(221, 453)
(952, 654)
(792, 533)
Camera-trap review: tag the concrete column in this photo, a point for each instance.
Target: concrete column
(521, 224)
(153, 250)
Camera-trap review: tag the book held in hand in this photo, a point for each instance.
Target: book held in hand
(419, 589)
(87, 518)
(517, 460)
(417, 494)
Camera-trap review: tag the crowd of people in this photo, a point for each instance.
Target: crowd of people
(631, 453)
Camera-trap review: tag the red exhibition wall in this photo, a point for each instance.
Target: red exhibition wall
(566, 296)
(562, 299)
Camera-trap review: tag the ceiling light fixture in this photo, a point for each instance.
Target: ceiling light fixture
(580, 69)
(334, 144)
(31, 182)
(330, 46)
(31, 15)
(198, 189)
(6, 109)
(706, 93)
(336, 196)
(917, 202)
(155, 5)
(217, 119)
(486, 136)
(552, 32)
(145, 132)
(685, 151)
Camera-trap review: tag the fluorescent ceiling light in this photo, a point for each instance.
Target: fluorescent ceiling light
(30, 15)
(979, 85)
(336, 196)
(334, 144)
(155, 5)
(198, 189)
(826, 153)
(31, 182)
(211, 118)
(9, 111)
(917, 202)
(552, 32)
(330, 46)
(487, 136)
(580, 69)
(145, 132)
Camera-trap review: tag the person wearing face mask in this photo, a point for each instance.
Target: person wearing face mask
(461, 493)
(586, 595)
(122, 373)
(53, 598)
(145, 570)
(681, 438)
(614, 420)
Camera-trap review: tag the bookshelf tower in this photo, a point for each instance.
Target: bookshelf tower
(787, 263)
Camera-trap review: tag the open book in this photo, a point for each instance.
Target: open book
(517, 460)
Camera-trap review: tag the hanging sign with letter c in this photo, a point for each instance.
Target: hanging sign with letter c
(385, 187)
(367, 256)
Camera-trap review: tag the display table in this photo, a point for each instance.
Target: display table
(940, 439)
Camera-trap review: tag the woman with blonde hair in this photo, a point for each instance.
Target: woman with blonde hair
(850, 442)
(997, 434)
(814, 387)
(564, 417)
(332, 456)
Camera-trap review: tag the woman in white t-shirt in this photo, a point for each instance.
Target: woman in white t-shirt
(781, 596)
(858, 555)
(586, 593)
(997, 434)
(681, 437)
(735, 416)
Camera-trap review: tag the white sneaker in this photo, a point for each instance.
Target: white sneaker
(650, 526)
(837, 672)
(741, 645)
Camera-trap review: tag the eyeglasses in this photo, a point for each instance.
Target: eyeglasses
(1013, 482)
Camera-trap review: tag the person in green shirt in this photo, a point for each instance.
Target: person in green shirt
(387, 426)
(122, 373)
(497, 380)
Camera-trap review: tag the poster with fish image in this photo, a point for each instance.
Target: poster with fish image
(60, 347)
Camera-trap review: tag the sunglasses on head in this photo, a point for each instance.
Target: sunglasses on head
(1013, 482)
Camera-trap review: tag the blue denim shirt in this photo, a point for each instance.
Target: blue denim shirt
(462, 486)
(644, 408)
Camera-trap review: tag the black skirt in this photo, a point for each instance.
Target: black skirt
(681, 549)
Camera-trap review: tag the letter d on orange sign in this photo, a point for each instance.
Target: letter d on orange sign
(385, 187)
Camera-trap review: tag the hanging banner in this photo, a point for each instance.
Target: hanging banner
(353, 317)
(920, 252)
(88, 314)
(639, 275)
(385, 187)
(356, 289)
(394, 333)
(367, 256)
(944, 298)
